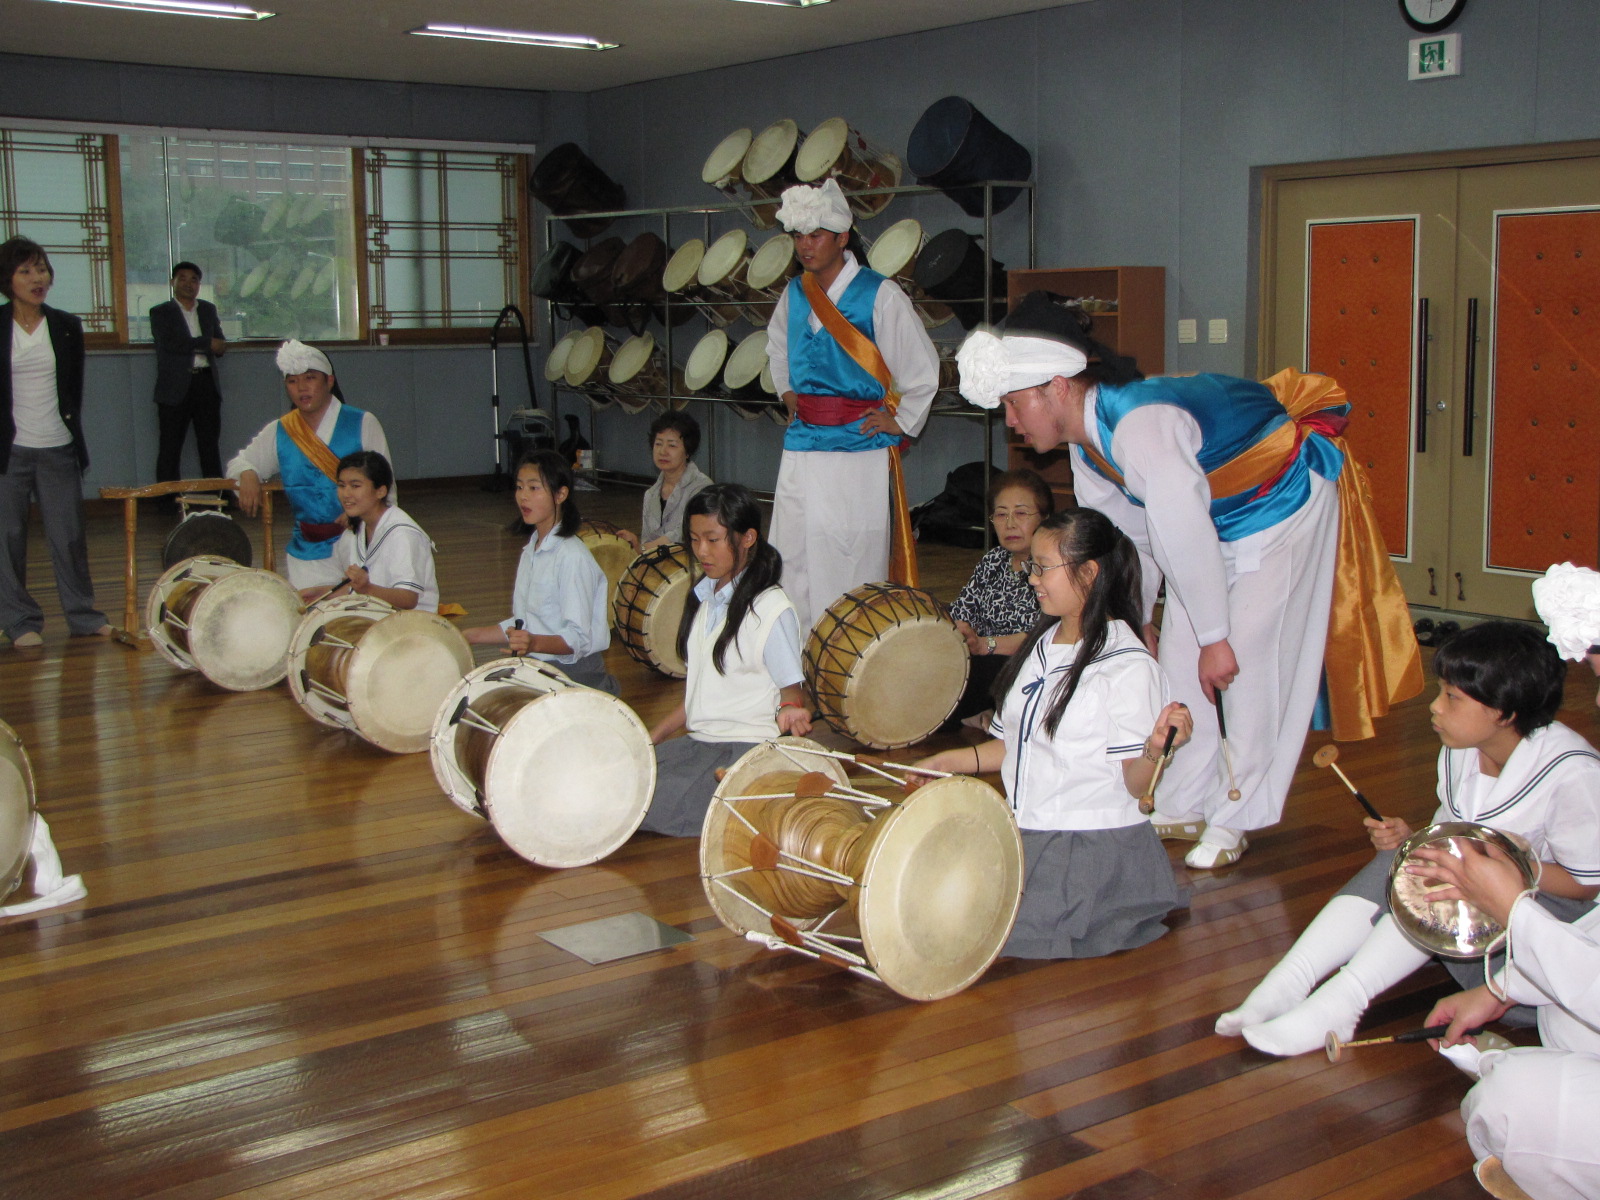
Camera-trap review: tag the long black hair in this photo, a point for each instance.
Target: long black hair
(374, 466)
(1083, 536)
(1045, 314)
(557, 474)
(733, 506)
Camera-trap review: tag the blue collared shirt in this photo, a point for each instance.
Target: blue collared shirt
(561, 590)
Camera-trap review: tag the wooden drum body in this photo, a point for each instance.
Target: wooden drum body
(919, 895)
(358, 664)
(231, 623)
(768, 168)
(894, 256)
(833, 150)
(886, 665)
(563, 772)
(649, 606)
(17, 812)
(612, 552)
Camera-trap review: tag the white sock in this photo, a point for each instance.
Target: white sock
(1333, 936)
(1222, 838)
(1384, 959)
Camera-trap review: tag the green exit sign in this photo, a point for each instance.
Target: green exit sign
(1435, 57)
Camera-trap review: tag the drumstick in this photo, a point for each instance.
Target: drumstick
(343, 583)
(1328, 756)
(1147, 802)
(1335, 1048)
(1227, 753)
(871, 762)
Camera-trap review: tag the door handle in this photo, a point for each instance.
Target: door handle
(1422, 375)
(1472, 378)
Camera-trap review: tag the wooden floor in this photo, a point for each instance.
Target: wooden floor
(301, 972)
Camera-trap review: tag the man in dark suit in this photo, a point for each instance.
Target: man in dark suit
(189, 340)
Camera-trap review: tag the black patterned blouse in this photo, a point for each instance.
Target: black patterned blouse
(997, 599)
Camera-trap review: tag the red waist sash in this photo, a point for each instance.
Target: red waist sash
(833, 410)
(320, 531)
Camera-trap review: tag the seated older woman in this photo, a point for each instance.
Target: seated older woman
(674, 437)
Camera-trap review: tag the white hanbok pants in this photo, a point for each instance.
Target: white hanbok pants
(311, 572)
(830, 521)
(1535, 1108)
(1278, 615)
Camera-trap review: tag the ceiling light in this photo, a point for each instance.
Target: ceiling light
(184, 8)
(514, 37)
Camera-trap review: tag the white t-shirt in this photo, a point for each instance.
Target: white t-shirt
(35, 407)
(399, 555)
(1074, 780)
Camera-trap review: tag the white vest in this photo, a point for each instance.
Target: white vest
(740, 705)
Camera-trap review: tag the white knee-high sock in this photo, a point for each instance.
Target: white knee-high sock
(1384, 960)
(1333, 936)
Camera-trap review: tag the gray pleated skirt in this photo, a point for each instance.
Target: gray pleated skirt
(686, 775)
(1091, 892)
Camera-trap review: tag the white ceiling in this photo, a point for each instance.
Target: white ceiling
(366, 39)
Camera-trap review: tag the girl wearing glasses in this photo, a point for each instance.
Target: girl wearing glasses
(996, 608)
(1083, 718)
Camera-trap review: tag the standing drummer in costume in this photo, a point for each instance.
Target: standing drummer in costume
(305, 446)
(857, 372)
(1237, 497)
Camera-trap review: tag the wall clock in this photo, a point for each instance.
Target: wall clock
(1430, 16)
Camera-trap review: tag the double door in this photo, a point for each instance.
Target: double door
(1460, 309)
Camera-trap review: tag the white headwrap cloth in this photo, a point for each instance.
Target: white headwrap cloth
(1568, 600)
(808, 209)
(296, 358)
(992, 367)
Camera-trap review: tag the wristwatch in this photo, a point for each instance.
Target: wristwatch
(991, 643)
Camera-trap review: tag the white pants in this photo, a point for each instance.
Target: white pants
(1535, 1108)
(1278, 616)
(311, 572)
(830, 521)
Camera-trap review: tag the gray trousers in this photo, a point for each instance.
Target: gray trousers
(51, 477)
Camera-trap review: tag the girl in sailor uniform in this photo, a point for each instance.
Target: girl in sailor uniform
(1505, 762)
(740, 638)
(1083, 715)
(384, 553)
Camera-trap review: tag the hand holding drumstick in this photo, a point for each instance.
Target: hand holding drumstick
(1141, 776)
(1386, 832)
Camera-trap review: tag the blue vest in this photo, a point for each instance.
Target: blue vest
(1233, 415)
(819, 366)
(312, 494)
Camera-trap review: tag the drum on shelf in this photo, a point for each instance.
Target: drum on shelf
(894, 256)
(769, 168)
(778, 414)
(356, 663)
(951, 268)
(588, 359)
(555, 363)
(593, 275)
(919, 895)
(569, 183)
(722, 276)
(724, 166)
(770, 269)
(746, 379)
(705, 362)
(563, 772)
(949, 369)
(833, 150)
(649, 605)
(886, 665)
(612, 551)
(638, 374)
(636, 281)
(680, 278)
(230, 623)
(1451, 928)
(953, 143)
(210, 533)
(17, 810)
(552, 281)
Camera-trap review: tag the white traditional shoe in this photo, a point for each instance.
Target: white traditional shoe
(1209, 857)
(1177, 829)
(28, 640)
(1491, 1176)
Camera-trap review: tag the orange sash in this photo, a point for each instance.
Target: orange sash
(1372, 660)
(865, 353)
(313, 447)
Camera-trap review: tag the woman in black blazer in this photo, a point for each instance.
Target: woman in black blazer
(42, 451)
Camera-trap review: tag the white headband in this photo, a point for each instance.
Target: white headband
(808, 209)
(992, 367)
(1568, 600)
(296, 358)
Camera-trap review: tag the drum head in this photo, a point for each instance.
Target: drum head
(16, 810)
(821, 149)
(402, 670)
(570, 778)
(940, 888)
(683, 266)
(717, 857)
(770, 151)
(895, 247)
(725, 161)
(770, 261)
(555, 363)
(207, 532)
(1450, 928)
(584, 356)
(723, 256)
(705, 360)
(239, 631)
(612, 553)
(649, 606)
(529, 673)
(748, 360)
(631, 358)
